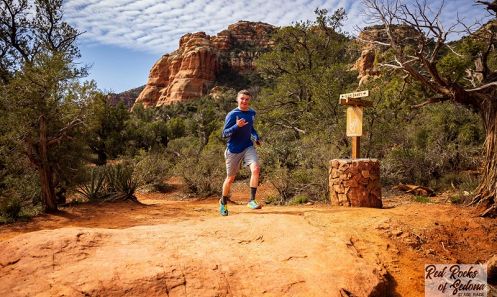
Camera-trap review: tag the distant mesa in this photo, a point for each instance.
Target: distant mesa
(191, 71)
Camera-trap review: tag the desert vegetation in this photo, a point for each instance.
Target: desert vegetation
(61, 137)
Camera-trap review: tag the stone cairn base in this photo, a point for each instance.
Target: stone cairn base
(355, 182)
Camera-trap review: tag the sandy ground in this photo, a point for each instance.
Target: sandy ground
(400, 238)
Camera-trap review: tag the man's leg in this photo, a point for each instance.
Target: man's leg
(226, 188)
(232, 166)
(254, 179)
(223, 207)
(252, 160)
(233, 162)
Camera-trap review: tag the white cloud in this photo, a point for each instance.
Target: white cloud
(155, 26)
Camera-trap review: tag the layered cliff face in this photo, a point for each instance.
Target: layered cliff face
(191, 71)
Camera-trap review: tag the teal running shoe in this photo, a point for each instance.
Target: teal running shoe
(223, 209)
(253, 204)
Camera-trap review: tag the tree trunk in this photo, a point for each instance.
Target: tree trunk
(486, 193)
(102, 157)
(46, 178)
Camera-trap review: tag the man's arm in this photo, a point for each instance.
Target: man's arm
(254, 133)
(230, 125)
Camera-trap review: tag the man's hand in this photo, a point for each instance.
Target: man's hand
(241, 122)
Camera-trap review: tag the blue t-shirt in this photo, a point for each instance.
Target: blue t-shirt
(239, 138)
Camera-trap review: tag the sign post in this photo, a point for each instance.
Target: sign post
(355, 182)
(354, 117)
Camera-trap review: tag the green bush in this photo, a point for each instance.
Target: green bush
(10, 207)
(121, 183)
(457, 199)
(202, 169)
(152, 169)
(111, 182)
(421, 199)
(441, 141)
(205, 174)
(297, 167)
(299, 199)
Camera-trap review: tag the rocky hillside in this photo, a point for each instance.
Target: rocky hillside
(127, 97)
(191, 70)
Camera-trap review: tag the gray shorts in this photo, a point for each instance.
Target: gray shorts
(234, 160)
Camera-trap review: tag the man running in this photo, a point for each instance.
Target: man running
(239, 129)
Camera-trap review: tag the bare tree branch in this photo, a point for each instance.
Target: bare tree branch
(452, 50)
(373, 42)
(483, 87)
(296, 129)
(431, 101)
(491, 6)
(390, 66)
(62, 134)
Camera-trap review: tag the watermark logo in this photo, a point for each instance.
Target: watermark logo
(462, 280)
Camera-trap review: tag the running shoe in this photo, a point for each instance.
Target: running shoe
(253, 204)
(223, 209)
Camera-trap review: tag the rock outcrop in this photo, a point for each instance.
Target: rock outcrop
(368, 39)
(191, 71)
(276, 255)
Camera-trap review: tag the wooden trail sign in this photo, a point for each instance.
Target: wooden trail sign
(354, 121)
(355, 95)
(354, 117)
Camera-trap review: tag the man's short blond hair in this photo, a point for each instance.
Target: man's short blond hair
(243, 92)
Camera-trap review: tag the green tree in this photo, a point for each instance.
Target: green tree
(301, 121)
(145, 129)
(106, 127)
(464, 73)
(37, 51)
(306, 70)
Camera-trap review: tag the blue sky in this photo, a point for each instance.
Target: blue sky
(124, 38)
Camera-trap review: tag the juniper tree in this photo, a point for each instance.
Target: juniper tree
(464, 73)
(37, 50)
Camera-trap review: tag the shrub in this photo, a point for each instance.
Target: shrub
(298, 168)
(299, 199)
(421, 199)
(10, 207)
(204, 171)
(111, 182)
(280, 179)
(152, 169)
(95, 188)
(457, 199)
(121, 183)
(432, 148)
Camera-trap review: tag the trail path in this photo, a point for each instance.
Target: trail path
(184, 248)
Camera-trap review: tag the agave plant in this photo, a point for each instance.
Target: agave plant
(122, 184)
(95, 189)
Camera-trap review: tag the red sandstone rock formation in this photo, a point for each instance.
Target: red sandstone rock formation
(190, 71)
(366, 64)
(279, 255)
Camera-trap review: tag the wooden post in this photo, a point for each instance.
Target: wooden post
(356, 147)
(355, 182)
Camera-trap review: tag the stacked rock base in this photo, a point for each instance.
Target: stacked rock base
(355, 182)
